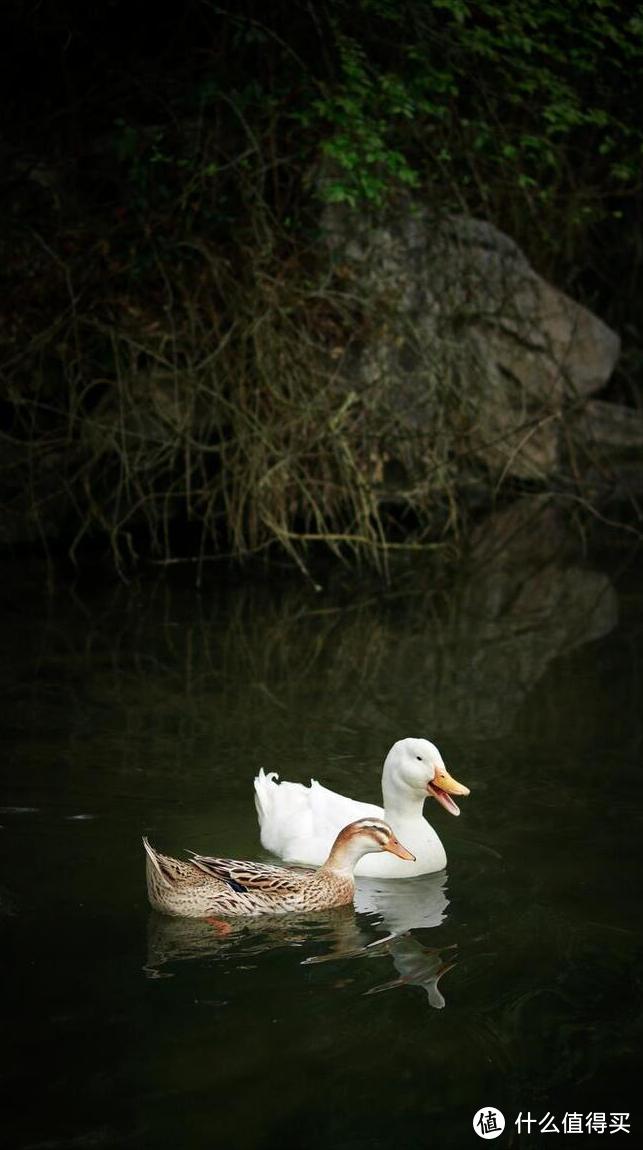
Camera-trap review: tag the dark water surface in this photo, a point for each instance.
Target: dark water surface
(513, 980)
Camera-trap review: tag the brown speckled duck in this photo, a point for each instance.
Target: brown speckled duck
(202, 886)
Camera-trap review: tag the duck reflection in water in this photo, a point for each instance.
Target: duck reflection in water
(175, 939)
(398, 907)
(418, 965)
(418, 904)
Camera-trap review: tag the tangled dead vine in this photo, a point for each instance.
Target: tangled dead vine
(214, 398)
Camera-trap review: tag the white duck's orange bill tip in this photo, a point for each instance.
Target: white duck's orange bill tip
(401, 852)
(443, 793)
(445, 782)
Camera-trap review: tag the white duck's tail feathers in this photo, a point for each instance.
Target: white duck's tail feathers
(273, 798)
(280, 807)
(264, 788)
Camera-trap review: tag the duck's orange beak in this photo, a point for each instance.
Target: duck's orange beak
(442, 786)
(395, 848)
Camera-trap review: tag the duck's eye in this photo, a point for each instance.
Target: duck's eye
(419, 758)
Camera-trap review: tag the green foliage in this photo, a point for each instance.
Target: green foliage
(358, 119)
(526, 107)
(526, 113)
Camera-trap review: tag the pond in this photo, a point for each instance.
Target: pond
(511, 980)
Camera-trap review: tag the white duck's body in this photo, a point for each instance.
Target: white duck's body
(299, 823)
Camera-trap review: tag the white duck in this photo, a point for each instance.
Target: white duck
(300, 823)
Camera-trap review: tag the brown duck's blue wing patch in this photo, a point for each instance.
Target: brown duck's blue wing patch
(236, 886)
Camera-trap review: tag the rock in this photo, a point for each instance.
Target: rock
(614, 428)
(476, 356)
(528, 533)
(606, 451)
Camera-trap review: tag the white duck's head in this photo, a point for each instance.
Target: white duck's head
(413, 771)
(360, 838)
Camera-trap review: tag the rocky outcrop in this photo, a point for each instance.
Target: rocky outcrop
(476, 354)
(606, 446)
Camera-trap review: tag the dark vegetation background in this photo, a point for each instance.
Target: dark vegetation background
(173, 321)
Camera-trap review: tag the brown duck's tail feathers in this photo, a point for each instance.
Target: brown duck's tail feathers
(155, 859)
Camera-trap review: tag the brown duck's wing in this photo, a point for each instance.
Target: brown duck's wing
(250, 876)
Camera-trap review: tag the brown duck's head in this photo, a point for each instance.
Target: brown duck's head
(367, 835)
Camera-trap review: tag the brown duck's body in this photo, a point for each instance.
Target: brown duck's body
(208, 886)
(204, 886)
